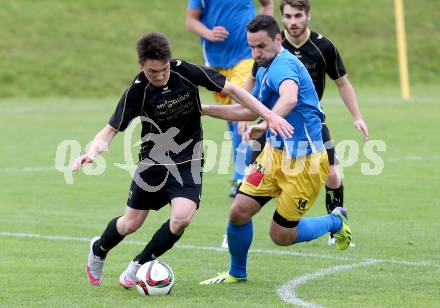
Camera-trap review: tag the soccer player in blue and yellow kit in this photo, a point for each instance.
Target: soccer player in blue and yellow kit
(221, 26)
(289, 169)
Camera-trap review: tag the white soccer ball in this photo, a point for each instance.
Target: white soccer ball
(155, 278)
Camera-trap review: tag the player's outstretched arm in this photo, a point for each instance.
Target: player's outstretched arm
(276, 124)
(100, 143)
(348, 96)
(234, 112)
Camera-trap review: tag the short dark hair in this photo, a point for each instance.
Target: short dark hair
(264, 23)
(153, 46)
(302, 5)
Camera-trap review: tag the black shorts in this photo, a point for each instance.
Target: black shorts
(327, 140)
(155, 186)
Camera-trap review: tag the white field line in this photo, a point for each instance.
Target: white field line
(27, 169)
(34, 110)
(412, 158)
(327, 100)
(415, 158)
(383, 100)
(219, 249)
(287, 291)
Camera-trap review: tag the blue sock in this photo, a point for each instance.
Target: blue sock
(239, 241)
(242, 153)
(311, 228)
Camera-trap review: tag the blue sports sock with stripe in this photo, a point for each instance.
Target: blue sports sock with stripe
(239, 241)
(314, 227)
(242, 153)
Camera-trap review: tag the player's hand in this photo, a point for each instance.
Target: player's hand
(278, 125)
(255, 131)
(360, 124)
(218, 34)
(242, 127)
(81, 161)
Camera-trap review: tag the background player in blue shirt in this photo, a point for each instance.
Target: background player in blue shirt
(221, 25)
(289, 169)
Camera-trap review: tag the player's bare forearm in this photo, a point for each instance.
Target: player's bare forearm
(233, 112)
(193, 23)
(102, 141)
(99, 144)
(276, 124)
(346, 91)
(245, 99)
(348, 96)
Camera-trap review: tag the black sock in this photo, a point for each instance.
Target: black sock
(161, 241)
(109, 239)
(334, 197)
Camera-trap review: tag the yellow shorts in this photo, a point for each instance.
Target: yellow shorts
(237, 74)
(295, 182)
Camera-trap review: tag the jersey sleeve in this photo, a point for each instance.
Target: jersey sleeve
(201, 76)
(281, 71)
(195, 5)
(335, 67)
(128, 108)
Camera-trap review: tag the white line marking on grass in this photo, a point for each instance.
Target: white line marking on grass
(412, 158)
(50, 110)
(415, 158)
(27, 169)
(218, 249)
(287, 291)
(384, 100)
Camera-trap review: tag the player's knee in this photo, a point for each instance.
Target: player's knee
(238, 214)
(333, 180)
(178, 224)
(129, 226)
(281, 239)
(333, 172)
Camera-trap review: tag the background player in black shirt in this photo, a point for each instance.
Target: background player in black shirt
(320, 57)
(165, 95)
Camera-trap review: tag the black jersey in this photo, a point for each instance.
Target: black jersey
(319, 56)
(172, 127)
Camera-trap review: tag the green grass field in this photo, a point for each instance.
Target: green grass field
(62, 66)
(45, 223)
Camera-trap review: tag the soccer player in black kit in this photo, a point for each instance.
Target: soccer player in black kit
(165, 96)
(320, 57)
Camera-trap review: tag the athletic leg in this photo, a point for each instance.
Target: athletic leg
(114, 233)
(334, 196)
(182, 211)
(240, 233)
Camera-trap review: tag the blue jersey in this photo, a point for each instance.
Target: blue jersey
(234, 15)
(307, 115)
